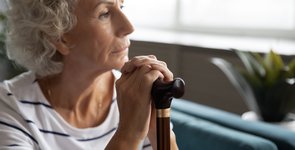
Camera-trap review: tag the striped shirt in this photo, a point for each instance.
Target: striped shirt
(28, 121)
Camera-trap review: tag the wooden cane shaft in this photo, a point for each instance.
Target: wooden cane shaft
(163, 129)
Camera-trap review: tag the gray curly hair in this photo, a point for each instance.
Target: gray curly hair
(32, 25)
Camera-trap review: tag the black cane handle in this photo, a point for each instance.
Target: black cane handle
(163, 92)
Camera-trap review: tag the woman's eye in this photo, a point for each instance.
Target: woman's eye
(104, 15)
(122, 6)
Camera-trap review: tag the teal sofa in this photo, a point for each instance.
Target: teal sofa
(199, 127)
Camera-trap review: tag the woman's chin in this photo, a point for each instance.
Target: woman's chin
(121, 62)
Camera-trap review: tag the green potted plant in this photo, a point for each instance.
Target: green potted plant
(266, 83)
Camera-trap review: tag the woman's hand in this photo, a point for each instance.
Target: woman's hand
(134, 97)
(150, 61)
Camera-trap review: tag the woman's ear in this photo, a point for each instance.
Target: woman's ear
(62, 46)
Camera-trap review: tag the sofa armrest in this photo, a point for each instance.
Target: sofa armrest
(193, 133)
(283, 138)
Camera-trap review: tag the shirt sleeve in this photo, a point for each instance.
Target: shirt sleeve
(11, 140)
(13, 134)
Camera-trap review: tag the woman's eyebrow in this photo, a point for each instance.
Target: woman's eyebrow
(109, 2)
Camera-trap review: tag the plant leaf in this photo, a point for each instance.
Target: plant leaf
(243, 87)
(245, 61)
(258, 57)
(291, 68)
(274, 66)
(253, 66)
(254, 81)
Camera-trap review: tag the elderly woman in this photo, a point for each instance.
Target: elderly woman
(67, 99)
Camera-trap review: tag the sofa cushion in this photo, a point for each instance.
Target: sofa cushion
(283, 138)
(193, 133)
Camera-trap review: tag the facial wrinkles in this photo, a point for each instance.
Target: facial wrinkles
(107, 41)
(110, 2)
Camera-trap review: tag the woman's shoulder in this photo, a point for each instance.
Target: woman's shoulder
(11, 90)
(9, 104)
(18, 81)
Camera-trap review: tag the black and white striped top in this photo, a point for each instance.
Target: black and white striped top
(27, 121)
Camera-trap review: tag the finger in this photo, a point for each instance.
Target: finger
(149, 62)
(144, 77)
(127, 67)
(136, 75)
(157, 65)
(167, 74)
(138, 61)
(132, 77)
(152, 57)
(151, 77)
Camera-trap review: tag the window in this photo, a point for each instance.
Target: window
(270, 18)
(152, 13)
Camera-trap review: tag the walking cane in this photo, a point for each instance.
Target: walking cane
(162, 94)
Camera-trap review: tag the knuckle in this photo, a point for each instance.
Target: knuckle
(163, 63)
(171, 75)
(145, 68)
(152, 56)
(135, 59)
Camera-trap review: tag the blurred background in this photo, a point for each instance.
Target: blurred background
(188, 33)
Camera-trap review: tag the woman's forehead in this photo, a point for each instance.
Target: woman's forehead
(95, 3)
(109, 1)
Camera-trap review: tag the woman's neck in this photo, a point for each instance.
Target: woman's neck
(81, 100)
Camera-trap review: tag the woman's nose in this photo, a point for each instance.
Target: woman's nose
(122, 25)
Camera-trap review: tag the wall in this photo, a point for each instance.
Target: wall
(205, 83)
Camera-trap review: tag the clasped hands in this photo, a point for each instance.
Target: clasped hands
(137, 113)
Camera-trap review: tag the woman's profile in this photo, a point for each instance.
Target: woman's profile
(81, 90)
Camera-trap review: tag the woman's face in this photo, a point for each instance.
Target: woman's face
(99, 40)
